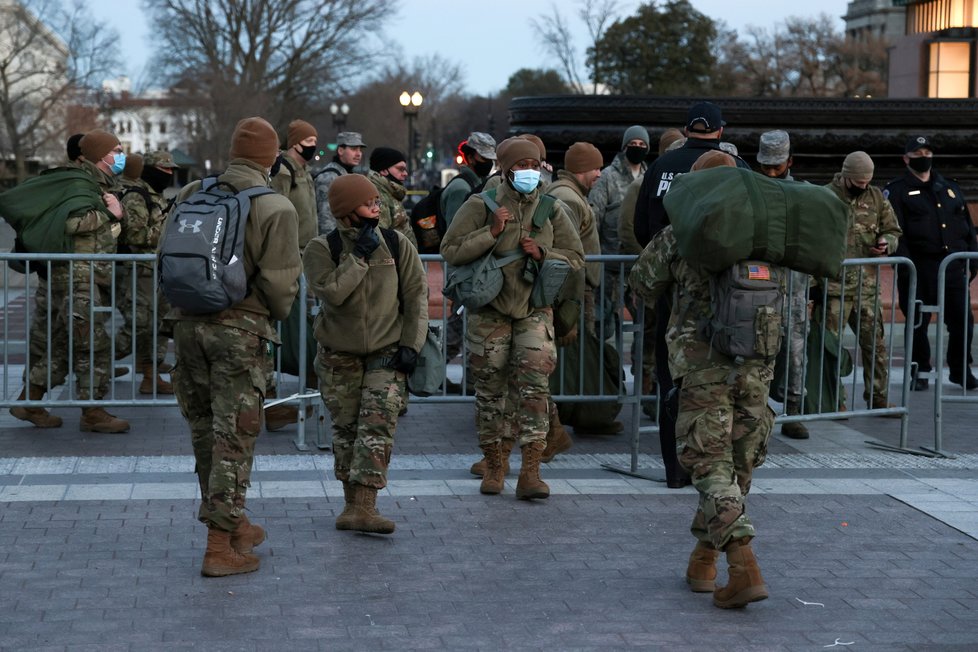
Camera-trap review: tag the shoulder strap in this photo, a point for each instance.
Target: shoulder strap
(489, 198)
(288, 166)
(142, 192)
(543, 212)
(393, 243)
(335, 246)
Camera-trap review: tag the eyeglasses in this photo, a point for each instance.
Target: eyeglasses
(400, 168)
(372, 203)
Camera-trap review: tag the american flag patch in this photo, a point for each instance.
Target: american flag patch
(758, 273)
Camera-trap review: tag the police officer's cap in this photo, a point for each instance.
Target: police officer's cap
(917, 142)
(704, 117)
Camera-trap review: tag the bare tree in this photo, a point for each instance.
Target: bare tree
(557, 39)
(49, 54)
(275, 58)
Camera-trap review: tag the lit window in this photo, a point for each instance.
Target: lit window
(949, 71)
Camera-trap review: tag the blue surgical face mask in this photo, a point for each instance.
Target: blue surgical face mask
(118, 163)
(526, 181)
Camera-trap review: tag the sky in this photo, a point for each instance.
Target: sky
(490, 43)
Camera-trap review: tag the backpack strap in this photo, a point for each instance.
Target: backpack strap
(543, 212)
(335, 246)
(288, 166)
(142, 192)
(390, 237)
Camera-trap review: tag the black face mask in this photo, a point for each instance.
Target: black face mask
(636, 154)
(922, 164)
(157, 179)
(482, 168)
(854, 191)
(307, 152)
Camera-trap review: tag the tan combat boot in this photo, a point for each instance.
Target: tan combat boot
(221, 559)
(146, 387)
(529, 485)
(366, 518)
(98, 420)
(745, 584)
(558, 440)
(479, 468)
(247, 537)
(345, 520)
(494, 477)
(40, 417)
(795, 430)
(701, 573)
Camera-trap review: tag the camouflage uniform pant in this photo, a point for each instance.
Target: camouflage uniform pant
(865, 319)
(219, 382)
(722, 433)
(40, 345)
(511, 361)
(145, 290)
(363, 396)
(648, 338)
(795, 322)
(75, 316)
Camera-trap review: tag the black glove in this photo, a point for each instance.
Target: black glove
(405, 360)
(366, 242)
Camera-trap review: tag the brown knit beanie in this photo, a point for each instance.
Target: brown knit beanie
(254, 139)
(713, 159)
(582, 157)
(349, 191)
(96, 144)
(539, 144)
(515, 149)
(858, 166)
(668, 137)
(299, 130)
(134, 167)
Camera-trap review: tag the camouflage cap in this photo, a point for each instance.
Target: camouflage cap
(774, 148)
(350, 139)
(483, 144)
(160, 159)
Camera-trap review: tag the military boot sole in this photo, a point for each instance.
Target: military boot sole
(105, 428)
(533, 493)
(701, 586)
(250, 565)
(742, 598)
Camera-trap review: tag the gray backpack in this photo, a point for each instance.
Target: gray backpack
(746, 300)
(201, 255)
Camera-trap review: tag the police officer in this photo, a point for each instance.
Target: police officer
(934, 217)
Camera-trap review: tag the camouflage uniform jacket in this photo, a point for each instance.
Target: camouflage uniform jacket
(468, 238)
(94, 232)
(295, 183)
(606, 199)
(361, 313)
(872, 217)
(660, 269)
(271, 256)
(568, 189)
(323, 180)
(144, 218)
(392, 213)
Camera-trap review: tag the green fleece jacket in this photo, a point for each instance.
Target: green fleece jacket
(468, 238)
(360, 312)
(302, 196)
(271, 256)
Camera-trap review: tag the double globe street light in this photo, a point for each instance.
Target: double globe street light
(411, 104)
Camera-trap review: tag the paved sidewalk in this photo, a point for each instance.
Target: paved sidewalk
(861, 549)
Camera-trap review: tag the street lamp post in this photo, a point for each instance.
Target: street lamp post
(411, 103)
(339, 113)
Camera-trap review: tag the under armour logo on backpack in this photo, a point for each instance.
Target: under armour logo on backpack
(195, 226)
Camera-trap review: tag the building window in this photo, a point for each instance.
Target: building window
(162, 126)
(936, 15)
(949, 69)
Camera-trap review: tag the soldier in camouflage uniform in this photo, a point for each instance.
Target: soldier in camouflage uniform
(608, 192)
(775, 160)
(511, 342)
(873, 232)
(349, 154)
(388, 170)
(373, 322)
(723, 422)
(223, 358)
(145, 213)
(94, 232)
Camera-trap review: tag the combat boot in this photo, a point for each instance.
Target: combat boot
(745, 584)
(98, 420)
(40, 417)
(279, 416)
(345, 520)
(701, 573)
(479, 468)
(146, 387)
(529, 485)
(366, 518)
(221, 559)
(558, 440)
(494, 477)
(796, 430)
(247, 537)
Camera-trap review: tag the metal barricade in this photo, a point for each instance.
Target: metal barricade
(970, 261)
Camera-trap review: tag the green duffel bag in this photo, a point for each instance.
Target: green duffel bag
(724, 215)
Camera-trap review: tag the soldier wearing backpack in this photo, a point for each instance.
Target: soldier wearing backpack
(373, 323)
(723, 422)
(224, 356)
